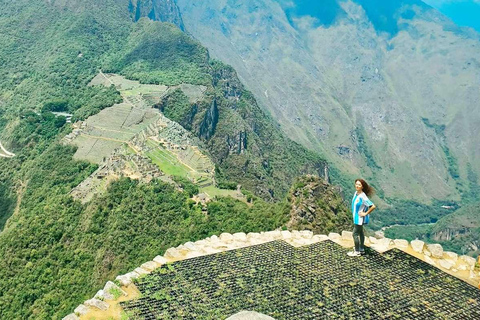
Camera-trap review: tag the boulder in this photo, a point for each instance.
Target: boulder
(111, 287)
(319, 237)
(141, 271)
(95, 303)
(100, 295)
(334, 236)
(126, 279)
(249, 315)
(451, 255)
(71, 316)
(240, 236)
(81, 310)
(306, 234)
(190, 246)
(386, 242)
(446, 264)
(226, 237)
(436, 250)
(274, 235)
(149, 266)
(296, 234)
(463, 267)
(214, 239)
(160, 260)
(379, 234)
(347, 235)
(253, 235)
(400, 243)
(203, 242)
(468, 260)
(286, 234)
(417, 245)
(173, 254)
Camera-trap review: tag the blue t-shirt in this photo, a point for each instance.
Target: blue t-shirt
(360, 203)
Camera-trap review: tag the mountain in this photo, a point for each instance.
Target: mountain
(383, 89)
(460, 230)
(57, 62)
(462, 12)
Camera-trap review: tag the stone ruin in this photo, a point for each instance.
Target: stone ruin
(119, 164)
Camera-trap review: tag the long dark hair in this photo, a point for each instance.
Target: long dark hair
(369, 191)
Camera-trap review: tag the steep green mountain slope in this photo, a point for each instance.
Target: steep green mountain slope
(385, 89)
(458, 231)
(51, 245)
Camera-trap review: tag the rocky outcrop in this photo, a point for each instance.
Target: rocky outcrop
(156, 10)
(210, 121)
(449, 234)
(317, 206)
(237, 143)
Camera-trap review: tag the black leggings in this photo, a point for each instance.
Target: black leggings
(358, 237)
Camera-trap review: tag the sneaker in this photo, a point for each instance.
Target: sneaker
(362, 253)
(353, 253)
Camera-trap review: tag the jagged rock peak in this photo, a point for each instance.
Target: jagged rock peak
(157, 10)
(317, 206)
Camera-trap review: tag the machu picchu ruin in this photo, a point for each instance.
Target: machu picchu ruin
(134, 139)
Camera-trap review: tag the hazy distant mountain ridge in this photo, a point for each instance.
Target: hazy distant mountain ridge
(385, 89)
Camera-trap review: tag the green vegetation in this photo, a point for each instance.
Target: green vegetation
(363, 148)
(409, 232)
(153, 54)
(403, 212)
(464, 227)
(7, 204)
(473, 193)
(166, 161)
(53, 236)
(243, 141)
(452, 164)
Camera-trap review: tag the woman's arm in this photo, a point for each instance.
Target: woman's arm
(370, 209)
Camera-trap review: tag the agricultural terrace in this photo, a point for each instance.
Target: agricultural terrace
(106, 131)
(317, 281)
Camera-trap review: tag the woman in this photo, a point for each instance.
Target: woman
(361, 209)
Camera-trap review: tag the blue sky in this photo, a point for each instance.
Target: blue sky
(462, 12)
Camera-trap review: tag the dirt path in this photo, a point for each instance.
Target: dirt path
(5, 153)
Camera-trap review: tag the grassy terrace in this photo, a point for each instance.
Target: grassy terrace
(312, 282)
(167, 161)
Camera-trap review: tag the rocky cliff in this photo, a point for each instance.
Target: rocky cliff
(157, 10)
